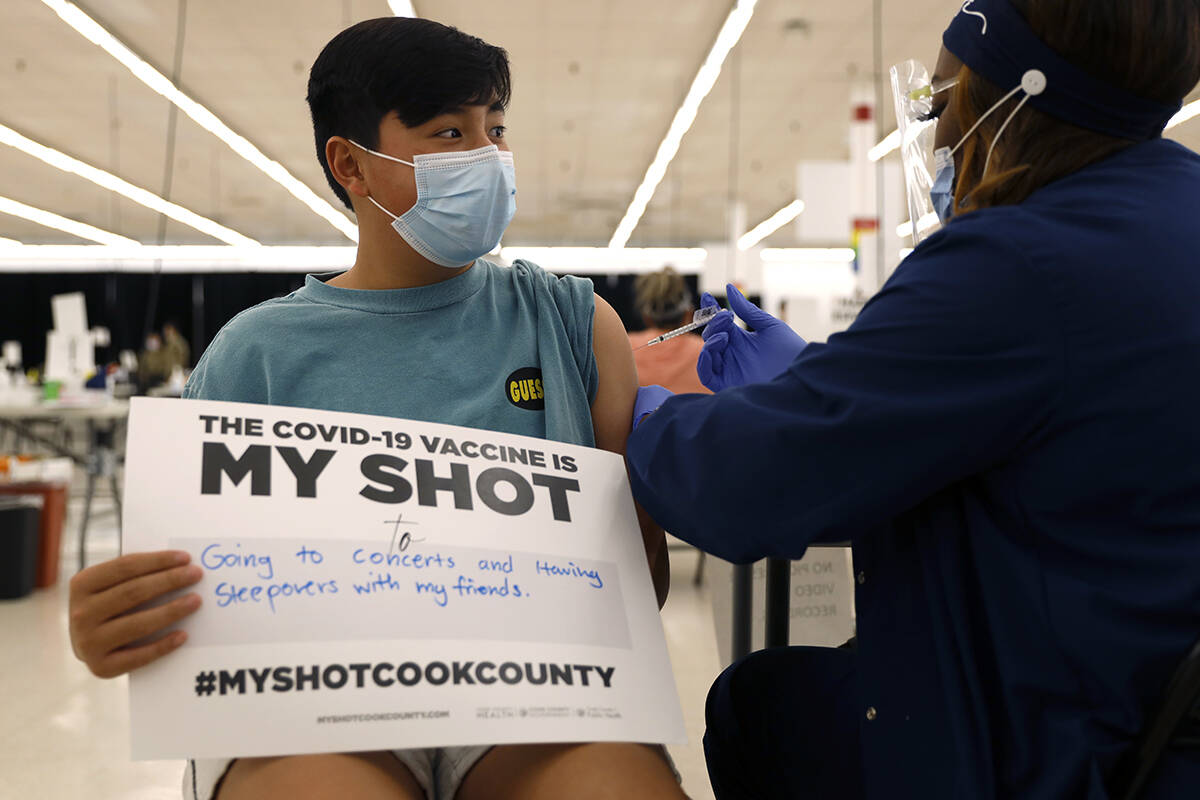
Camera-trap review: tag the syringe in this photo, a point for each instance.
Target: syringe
(701, 318)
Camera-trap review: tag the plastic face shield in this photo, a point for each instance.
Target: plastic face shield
(913, 92)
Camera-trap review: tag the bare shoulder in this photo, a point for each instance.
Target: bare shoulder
(612, 410)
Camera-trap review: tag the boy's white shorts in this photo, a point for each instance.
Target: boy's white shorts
(438, 770)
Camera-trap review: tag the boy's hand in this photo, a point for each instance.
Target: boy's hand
(102, 597)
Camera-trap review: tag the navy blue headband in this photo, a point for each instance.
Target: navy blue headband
(992, 38)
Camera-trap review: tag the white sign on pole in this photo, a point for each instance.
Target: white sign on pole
(69, 312)
(375, 583)
(821, 601)
(12, 354)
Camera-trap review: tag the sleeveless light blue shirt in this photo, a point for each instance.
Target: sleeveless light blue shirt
(499, 348)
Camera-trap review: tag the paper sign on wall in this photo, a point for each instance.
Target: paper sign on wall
(375, 583)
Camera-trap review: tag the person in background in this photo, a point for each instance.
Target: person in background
(178, 353)
(153, 368)
(663, 300)
(163, 354)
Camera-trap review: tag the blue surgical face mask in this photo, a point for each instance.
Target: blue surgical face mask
(465, 201)
(941, 194)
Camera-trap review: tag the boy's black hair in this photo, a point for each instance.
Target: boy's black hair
(415, 67)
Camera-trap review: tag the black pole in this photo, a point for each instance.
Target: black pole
(779, 585)
(168, 170)
(198, 343)
(743, 609)
(880, 173)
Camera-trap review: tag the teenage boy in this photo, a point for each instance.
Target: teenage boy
(409, 123)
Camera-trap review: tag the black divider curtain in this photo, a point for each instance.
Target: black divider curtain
(118, 302)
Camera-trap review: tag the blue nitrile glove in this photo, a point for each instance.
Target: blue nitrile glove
(649, 398)
(734, 357)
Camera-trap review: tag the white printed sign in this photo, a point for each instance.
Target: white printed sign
(375, 583)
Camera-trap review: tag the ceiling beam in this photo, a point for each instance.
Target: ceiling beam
(702, 84)
(201, 115)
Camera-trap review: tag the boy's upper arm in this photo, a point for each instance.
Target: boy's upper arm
(612, 419)
(612, 410)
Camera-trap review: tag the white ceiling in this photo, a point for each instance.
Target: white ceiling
(596, 85)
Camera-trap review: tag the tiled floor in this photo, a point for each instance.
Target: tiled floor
(65, 734)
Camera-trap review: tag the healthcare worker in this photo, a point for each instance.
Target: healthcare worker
(1009, 435)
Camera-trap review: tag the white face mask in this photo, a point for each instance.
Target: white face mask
(465, 201)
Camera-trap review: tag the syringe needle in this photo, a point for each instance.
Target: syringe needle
(701, 318)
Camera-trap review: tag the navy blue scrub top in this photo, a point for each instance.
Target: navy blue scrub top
(1009, 433)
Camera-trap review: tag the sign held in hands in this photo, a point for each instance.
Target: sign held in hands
(375, 583)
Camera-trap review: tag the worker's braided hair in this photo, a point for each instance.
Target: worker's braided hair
(663, 298)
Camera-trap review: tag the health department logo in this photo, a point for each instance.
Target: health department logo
(524, 389)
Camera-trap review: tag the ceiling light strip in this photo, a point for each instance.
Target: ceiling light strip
(885, 146)
(51, 220)
(771, 224)
(324, 258)
(1189, 111)
(402, 8)
(807, 255)
(710, 70)
(111, 182)
(603, 261)
(95, 33)
(175, 258)
(926, 222)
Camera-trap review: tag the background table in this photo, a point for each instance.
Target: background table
(102, 415)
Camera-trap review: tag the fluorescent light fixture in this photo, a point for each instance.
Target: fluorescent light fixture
(111, 182)
(807, 255)
(9, 242)
(710, 70)
(885, 146)
(402, 8)
(52, 220)
(1192, 109)
(95, 33)
(893, 140)
(282, 258)
(926, 222)
(771, 224)
(600, 260)
(175, 258)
